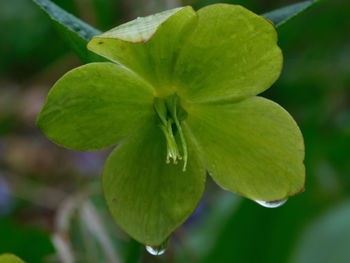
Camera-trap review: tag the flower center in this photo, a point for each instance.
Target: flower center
(170, 114)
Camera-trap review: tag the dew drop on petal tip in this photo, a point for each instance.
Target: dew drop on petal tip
(155, 251)
(272, 204)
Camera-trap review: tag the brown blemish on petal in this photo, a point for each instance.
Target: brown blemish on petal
(268, 20)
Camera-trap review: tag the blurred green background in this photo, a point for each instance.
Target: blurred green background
(51, 208)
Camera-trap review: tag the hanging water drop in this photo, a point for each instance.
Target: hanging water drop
(272, 204)
(157, 250)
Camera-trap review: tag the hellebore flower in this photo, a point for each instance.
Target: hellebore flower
(182, 101)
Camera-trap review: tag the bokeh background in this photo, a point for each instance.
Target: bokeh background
(51, 209)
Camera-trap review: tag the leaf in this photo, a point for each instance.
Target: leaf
(327, 238)
(71, 29)
(9, 258)
(253, 147)
(232, 54)
(94, 106)
(148, 45)
(284, 14)
(147, 197)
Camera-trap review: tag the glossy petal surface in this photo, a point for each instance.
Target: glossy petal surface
(232, 54)
(147, 197)
(95, 106)
(253, 147)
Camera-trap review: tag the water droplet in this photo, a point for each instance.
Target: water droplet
(272, 204)
(157, 250)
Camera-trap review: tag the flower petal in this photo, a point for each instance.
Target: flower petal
(253, 148)
(10, 258)
(232, 54)
(95, 106)
(148, 45)
(147, 197)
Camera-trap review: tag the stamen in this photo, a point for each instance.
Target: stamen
(172, 149)
(167, 110)
(172, 106)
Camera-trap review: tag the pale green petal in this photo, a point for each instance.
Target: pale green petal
(147, 197)
(95, 106)
(138, 30)
(148, 45)
(223, 52)
(9, 258)
(253, 147)
(232, 54)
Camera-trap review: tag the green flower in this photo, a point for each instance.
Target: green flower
(182, 102)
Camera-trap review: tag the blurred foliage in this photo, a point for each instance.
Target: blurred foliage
(332, 233)
(30, 243)
(37, 176)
